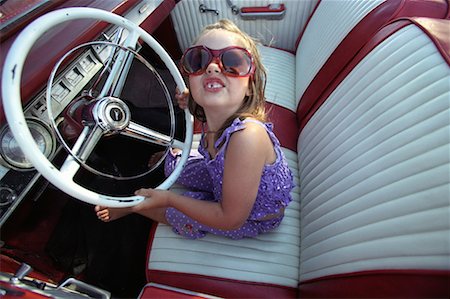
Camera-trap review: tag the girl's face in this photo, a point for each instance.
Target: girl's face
(213, 90)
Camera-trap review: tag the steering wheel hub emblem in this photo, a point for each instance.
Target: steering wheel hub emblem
(116, 114)
(111, 114)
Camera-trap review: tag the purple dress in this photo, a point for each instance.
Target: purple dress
(203, 177)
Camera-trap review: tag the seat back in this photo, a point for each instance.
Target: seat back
(374, 170)
(320, 60)
(312, 52)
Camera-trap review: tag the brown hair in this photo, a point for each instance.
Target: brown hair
(254, 104)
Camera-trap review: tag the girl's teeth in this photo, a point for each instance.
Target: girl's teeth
(214, 85)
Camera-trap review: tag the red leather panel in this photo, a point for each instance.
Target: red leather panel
(151, 291)
(439, 31)
(380, 284)
(221, 287)
(285, 125)
(262, 9)
(158, 16)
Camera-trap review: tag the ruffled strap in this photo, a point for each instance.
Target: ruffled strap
(235, 126)
(238, 125)
(269, 129)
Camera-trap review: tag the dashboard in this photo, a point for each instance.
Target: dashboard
(17, 175)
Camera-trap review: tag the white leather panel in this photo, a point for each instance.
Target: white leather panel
(324, 34)
(280, 68)
(269, 258)
(188, 21)
(374, 165)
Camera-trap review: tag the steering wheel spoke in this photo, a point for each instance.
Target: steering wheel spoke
(81, 151)
(121, 63)
(142, 133)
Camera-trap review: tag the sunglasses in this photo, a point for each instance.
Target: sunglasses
(233, 61)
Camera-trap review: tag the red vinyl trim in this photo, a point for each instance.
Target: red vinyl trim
(285, 125)
(447, 15)
(262, 9)
(154, 292)
(380, 284)
(354, 41)
(22, 22)
(158, 16)
(222, 287)
(438, 30)
(151, 237)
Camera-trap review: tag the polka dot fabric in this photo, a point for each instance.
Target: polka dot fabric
(203, 177)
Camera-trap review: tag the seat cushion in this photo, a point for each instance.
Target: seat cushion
(266, 265)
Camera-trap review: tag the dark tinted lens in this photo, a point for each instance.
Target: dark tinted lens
(195, 60)
(236, 62)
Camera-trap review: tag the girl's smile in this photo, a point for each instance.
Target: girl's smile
(213, 84)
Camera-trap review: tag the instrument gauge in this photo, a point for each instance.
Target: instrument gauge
(10, 152)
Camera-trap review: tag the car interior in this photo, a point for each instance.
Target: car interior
(358, 93)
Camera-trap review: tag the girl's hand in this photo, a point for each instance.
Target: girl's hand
(153, 198)
(182, 98)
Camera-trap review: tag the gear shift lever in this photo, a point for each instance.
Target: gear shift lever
(21, 273)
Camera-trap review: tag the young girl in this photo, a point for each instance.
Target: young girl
(239, 182)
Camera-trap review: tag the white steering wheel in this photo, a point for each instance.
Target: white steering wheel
(63, 178)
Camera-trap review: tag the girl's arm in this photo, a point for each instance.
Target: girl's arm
(247, 153)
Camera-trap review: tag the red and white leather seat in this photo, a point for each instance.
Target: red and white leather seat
(374, 171)
(369, 149)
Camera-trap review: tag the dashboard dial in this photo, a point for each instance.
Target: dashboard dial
(10, 152)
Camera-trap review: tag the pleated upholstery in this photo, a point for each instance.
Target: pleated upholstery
(322, 36)
(280, 68)
(374, 165)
